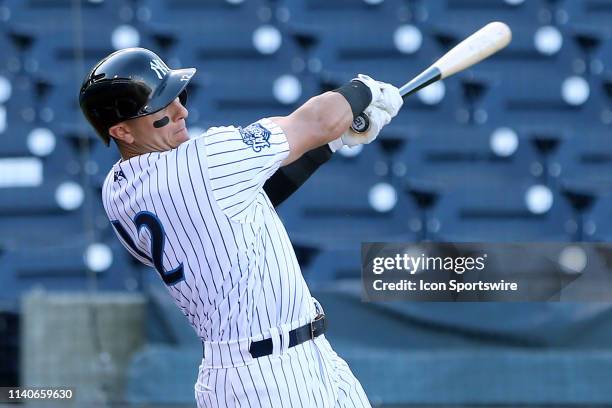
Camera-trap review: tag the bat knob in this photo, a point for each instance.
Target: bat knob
(361, 123)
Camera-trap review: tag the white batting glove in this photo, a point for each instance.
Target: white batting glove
(384, 95)
(386, 103)
(378, 118)
(390, 100)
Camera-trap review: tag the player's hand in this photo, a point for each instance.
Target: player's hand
(384, 95)
(390, 100)
(386, 103)
(378, 118)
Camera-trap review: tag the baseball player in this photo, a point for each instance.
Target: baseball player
(197, 211)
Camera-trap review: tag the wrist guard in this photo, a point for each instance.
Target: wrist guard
(357, 94)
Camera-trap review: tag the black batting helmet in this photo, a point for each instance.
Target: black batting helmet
(127, 84)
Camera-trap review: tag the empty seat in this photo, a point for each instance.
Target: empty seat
(461, 156)
(597, 221)
(331, 265)
(8, 53)
(334, 210)
(321, 12)
(499, 214)
(189, 13)
(63, 59)
(62, 265)
(586, 157)
(60, 13)
(594, 13)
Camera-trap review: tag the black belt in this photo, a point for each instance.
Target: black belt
(296, 336)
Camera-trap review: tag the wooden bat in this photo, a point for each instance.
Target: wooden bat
(478, 46)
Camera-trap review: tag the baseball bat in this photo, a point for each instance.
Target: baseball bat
(475, 48)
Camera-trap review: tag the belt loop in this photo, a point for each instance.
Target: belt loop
(318, 308)
(276, 341)
(285, 338)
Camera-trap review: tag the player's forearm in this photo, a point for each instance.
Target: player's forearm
(320, 120)
(334, 116)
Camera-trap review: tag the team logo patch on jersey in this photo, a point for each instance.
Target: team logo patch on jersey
(255, 136)
(118, 175)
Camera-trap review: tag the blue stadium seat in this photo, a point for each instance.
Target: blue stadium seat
(455, 155)
(586, 157)
(481, 214)
(347, 49)
(602, 55)
(598, 219)
(326, 12)
(32, 215)
(471, 13)
(15, 141)
(56, 56)
(18, 107)
(61, 266)
(193, 13)
(8, 53)
(60, 107)
(52, 14)
(105, 157)
(332, 265)
(332, 211)
(592, 13)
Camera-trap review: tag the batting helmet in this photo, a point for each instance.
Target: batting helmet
(128, 84)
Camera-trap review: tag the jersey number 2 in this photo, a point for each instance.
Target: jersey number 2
(158, 238)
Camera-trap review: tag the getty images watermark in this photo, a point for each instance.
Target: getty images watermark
(485, 272)
(415, 264)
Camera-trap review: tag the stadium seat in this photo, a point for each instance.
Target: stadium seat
(478, 214)
(8, 53)
(62, 266)
(592, 13)
(190, 13)
(331, 211)
(58, 56)
(462, 155)
(597, 221)
(586, 156)
(50, 14)
(331, 265)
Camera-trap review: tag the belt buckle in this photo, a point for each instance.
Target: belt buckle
(312, 328)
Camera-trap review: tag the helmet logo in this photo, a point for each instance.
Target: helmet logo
(160, 68)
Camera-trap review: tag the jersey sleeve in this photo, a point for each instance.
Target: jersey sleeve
(240, 160)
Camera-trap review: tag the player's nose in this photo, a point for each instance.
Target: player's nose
(180, 111)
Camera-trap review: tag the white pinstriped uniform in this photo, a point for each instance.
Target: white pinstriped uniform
(242, 281)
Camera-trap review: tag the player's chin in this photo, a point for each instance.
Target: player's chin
(179, 137)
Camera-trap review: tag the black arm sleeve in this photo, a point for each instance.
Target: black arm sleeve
(289, 178)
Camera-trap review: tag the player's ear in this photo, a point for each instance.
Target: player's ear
(122, 132)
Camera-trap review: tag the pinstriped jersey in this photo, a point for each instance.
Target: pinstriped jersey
(198, 215)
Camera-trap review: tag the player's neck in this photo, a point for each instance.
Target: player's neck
(129, 151)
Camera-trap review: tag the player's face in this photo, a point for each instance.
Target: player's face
(163, 130)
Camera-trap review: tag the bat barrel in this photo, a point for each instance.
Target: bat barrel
(478, 46)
